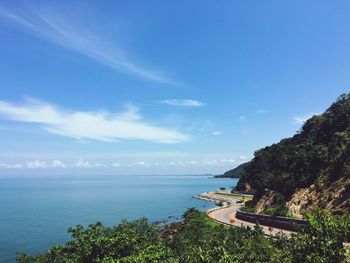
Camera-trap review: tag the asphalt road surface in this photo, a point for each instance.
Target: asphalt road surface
(227, 215)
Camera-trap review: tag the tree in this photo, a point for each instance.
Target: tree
(323, 239)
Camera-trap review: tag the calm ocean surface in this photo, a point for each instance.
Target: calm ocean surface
(35, 212)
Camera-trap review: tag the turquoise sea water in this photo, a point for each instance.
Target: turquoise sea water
(35, 211)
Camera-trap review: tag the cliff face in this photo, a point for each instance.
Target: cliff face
(267, 200)
(334, 197)
(310, 169)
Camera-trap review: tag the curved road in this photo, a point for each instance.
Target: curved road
(227, 216)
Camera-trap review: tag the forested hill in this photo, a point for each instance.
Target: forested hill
(234, 173)
(311, 168)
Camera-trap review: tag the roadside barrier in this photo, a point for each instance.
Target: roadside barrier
(280, 222)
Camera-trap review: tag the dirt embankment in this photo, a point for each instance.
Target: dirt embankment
(334, 197)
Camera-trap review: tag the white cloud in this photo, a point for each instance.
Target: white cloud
(7, 165)
(193, 162)
(261, 111)
(303, 119)
(96, 155)
(82, 125)
(77, 38)
(81, 163)
(183, 102)
(242, 157)
(181, 163)
(141, 163)
(203, 163)
(58, 164)
(216, 133)
(35, 164)
(172, 163)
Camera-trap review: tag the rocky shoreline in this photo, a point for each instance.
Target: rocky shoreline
(168, 231)
(211, 197)
(221, 197)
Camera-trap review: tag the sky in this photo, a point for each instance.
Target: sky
(162, 87)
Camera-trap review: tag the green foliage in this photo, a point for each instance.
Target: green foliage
(200, 240)
(220, 203)
(248, 209)
(323, 240)
(135, 241)
(321, 148)
(279, 210)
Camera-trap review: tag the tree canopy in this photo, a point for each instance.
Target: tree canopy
(199, 240)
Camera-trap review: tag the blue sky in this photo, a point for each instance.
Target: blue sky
(166, 87)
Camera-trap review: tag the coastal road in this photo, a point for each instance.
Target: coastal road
(227, 216)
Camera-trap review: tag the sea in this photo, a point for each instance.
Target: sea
(35, 211)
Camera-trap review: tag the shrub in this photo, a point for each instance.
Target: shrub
(200, 240)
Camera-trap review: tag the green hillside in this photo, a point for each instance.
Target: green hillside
(318, 156)
(234, 173)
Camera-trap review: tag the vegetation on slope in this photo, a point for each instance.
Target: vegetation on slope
(199, 240)
(319, 154)
(234, 173)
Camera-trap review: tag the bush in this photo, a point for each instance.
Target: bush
(323, 240)
(247, 209)
(135, 241)
(280, 210)
(220, 203)
(200, 240)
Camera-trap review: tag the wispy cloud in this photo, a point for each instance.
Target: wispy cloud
(261, 111)
(116, 165)
(110, 155)
(82, 163)
(141, 163)
(216, 133)
(183, 102)
(59, 31)
(303, 119)
(82, 125)
(36, 164)
(58, 164)
(204, 163)
(8, 165)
